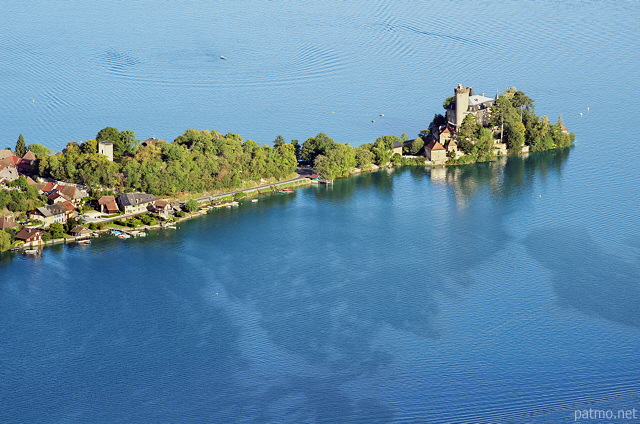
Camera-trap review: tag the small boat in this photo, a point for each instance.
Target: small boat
(172, 227)
(234, 203)
(84, 241)
(224, 57)
(286, 190)
(31, 251)
(254, 200)
(124, 236)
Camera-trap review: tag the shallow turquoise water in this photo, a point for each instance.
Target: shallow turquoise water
(501, 292)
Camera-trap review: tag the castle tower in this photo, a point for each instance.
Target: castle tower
(462, 103)
(106, 148)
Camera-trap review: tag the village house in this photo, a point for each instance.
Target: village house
(29, 235)
(11, 161)
(436, 152)
(26, 161)
(108, 205)
(5, 153)
(8, 173)
(71, 193)
(135, 203)
(50, 214)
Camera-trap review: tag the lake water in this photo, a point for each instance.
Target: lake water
(506, 292)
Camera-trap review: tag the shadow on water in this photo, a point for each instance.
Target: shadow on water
(597, 284)
(328, 304)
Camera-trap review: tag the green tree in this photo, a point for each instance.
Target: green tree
(40, 151)
(21, 146)
(383, 149)
(89, 146)
(447, 102)
(109, 134)
(297, 148)
(57, 230)
(338, 161)
(514, 136)
(192, 206)
(5, 241)
(315, 146)
(415, 147)
(469, 128)
(364, 156)
(278, 141)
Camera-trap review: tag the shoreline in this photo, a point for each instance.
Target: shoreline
(40, 245)
(300, 180)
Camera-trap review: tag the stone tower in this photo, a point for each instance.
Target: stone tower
(462, 103)
(106, 148)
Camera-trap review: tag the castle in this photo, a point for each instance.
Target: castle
(466, 103)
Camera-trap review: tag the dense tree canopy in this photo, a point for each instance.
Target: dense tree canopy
(516, 123)
(315, 146)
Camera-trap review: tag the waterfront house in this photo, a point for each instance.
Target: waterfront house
(436, 152)
(163, 208)
(108, 204)
(7, 222)
(29, 235)
(135, 203)
(50, 214)
(80, 231)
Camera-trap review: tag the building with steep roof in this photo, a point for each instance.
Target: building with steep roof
(29, 235)
(29, 156)
(8, 222)
(134, 203)
(108, 204)
(50, 214)
(4, 153)
(436, 152)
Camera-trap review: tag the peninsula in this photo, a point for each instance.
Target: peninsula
(44, 196)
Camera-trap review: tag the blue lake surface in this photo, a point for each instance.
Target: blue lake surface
(503, 292)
